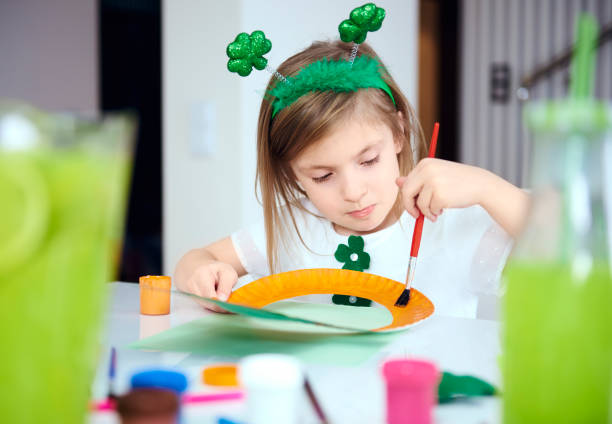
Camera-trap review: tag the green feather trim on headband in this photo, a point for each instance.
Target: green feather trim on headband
(329, 75)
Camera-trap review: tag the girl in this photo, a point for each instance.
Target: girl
(335, 162)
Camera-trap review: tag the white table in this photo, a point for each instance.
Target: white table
(347, 394)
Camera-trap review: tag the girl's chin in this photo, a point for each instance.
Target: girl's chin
(359, 226)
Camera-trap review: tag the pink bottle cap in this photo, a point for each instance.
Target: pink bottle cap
(411, 391)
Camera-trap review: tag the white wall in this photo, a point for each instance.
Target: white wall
(48, 53)
(207, 196)
(200, 192)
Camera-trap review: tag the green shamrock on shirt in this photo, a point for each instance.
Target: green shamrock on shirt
(356, 259)
(353, 255)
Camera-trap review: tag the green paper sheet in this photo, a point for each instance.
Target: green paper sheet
(287, 314)
(235, 336)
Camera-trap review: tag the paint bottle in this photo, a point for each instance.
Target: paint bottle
(274, 388)
(411, 387)
(149, 405)
(155, 294)
(154, 397)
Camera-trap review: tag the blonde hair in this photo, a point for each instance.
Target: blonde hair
(312, 117)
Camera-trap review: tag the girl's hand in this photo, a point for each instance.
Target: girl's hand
(436, 184)
(210, 271)
(212, 279)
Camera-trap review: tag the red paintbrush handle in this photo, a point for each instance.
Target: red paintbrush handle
(434, 141)
(418, 226)
(416, 236)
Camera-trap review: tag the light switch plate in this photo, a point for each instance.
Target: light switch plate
(203, 128)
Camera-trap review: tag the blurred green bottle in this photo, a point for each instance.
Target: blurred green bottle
(557, 343)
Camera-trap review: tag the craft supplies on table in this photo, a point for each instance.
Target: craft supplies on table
(349, 387)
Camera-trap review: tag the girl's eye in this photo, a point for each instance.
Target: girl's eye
(371, 161)
(321, 179)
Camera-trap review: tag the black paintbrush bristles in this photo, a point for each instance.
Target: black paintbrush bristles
(403, 299)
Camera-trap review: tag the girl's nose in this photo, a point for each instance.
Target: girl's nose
(353, 188)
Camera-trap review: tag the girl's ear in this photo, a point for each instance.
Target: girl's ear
(398, 144)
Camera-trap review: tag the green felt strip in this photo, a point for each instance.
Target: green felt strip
(460, 386)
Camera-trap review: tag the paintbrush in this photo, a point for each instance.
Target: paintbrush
(315, 403)
(403, 299)
(112, 367)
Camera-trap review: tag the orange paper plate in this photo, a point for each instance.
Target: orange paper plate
(384, 291)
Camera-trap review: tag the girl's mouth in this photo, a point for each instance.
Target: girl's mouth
(362, 213)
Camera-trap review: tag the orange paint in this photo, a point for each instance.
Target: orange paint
(221, 375)
(155, 294)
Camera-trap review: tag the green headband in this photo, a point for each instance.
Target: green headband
(329, 75)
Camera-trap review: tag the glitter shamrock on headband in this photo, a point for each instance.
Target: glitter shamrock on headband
(246, 52)
(364, 19)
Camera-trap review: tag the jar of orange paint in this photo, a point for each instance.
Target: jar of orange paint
(155, 294)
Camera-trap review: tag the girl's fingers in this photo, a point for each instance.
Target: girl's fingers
(410, 206)
(205, 280)
(203, 284)
(436, 205)
(226, 279)
(410, 190)
(423, 202)
(194, 287)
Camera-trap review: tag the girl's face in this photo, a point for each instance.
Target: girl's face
(350, 176)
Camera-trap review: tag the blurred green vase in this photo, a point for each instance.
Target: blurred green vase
(63, 182)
